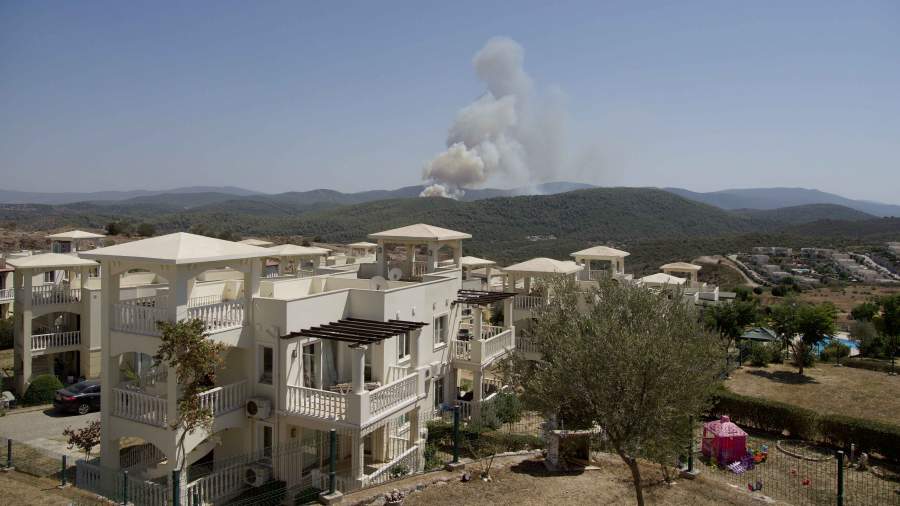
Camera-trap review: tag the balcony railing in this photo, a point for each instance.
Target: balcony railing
(221, 400)
(141, 318)
(527, 344)
(528, 302)
(327, 405)
(140, 407)
(408, 460)
(40, 342)
(54, 294)
(7, 293)
(486, 349)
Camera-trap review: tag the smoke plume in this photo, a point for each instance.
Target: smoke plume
(509, 135)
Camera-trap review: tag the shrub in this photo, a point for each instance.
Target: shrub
(760, 355)
(808, 358)
(835, 350)
(508, 407)
(440, 434)
(834, 430)
(41, 390)
(870, 364)
(872, 345)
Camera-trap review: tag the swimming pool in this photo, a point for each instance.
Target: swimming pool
(854, 347)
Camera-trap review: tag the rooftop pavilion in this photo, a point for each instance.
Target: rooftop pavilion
(688, 270)
(74, 241)
(410, 252)
(471, 278)
(256, 242)
(537, 268)
(600, 261)
(362, 249)
(291, 257)
(662, 279)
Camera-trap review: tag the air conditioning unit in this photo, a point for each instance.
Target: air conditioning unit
(257, 475)
(259, 408)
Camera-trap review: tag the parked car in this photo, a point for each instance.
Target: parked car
(81, 398)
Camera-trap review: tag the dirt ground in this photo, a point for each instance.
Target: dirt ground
(825, 388)
(525, 481)
(20, 488)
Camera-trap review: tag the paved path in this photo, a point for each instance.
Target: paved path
(43, 428)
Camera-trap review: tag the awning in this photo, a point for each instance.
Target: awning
(358, 330)
(480, 297)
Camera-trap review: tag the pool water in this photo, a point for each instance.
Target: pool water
(854, 347)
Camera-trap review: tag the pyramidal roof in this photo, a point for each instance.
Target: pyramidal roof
(362, 244)
(292, 250)
(49, 261)
(256, 242)
(545, 266)
(681, 266)
(75, 235)
(178, 248)
(421, 231)
(663, 279)
(601, 251)
(475, 262)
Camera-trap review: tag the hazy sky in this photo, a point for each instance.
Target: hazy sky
(278, 96)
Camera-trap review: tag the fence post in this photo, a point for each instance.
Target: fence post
(62, 476)
(690, 448)
(176, 485)
(455, 434)
(9, 461)
(332, 461)
(124, 487)
(840, 478)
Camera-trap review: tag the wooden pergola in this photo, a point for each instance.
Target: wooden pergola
(358, 331)
(481, 297)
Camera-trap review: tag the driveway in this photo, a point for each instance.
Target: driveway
(43, 429)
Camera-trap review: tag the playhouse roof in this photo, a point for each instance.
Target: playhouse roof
(724, 427)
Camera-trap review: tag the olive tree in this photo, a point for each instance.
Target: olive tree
(196, 360)
(634, 362)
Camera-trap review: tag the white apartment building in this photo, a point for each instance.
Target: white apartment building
(372, 353)
(7, 294)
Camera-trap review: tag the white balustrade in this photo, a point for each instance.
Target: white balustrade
(7, 293)
(527, 344)
(528, 302)
(140, 407)
(408, 461)
(316, 403)
(221, 316)
(105, 482)
(215, 486)
(41, 342)
(497, 345)
(496, 342)
(220, 400)
(54, 294)
(205, 300)
(462, 350)
(137, 319)
(393, 394)
(140, 457)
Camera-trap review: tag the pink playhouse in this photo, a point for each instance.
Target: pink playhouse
(724, 441)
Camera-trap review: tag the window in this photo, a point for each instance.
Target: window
(403, 346)
(50, 277)
(438, 393)
(441, 324)
(266, 439)
(266, 364)
(309, 366)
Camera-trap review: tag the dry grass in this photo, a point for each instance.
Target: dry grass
(19, 488)
(824, 388)
(527, 482)
(844, 298)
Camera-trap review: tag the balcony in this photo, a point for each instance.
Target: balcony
(357, 409)
(7, 294)
(494, 343)
(153, 409)
(139, 316)
(54, 294)
(528, 302)
(55, 340)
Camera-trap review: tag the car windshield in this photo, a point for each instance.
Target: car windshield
(77, 388)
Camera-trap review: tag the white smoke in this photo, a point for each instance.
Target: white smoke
(508, 133)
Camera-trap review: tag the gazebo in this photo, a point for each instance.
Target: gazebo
(612, 259)
(73, 241)
(688, 270)
(362, 249)
(470, 264)
(290, 258)
(661, 280)
(537, 268)
(442, 249)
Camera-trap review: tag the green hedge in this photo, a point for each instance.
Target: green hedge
(441, 434)
(870, 364)
(41, 390)
(834, 430)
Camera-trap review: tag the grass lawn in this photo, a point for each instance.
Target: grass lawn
(824, 388)
(20, 488)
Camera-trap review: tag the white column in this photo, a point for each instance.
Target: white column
(359, 368)
(507, 312)
(380, 259)
(358, 456)
(251, 286)
(476, 321)
(109, 447)
(22, 330)
(477, 394)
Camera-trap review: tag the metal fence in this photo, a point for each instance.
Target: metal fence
(36, 461)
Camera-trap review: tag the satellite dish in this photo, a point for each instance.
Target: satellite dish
(395, 274)
(377, 283)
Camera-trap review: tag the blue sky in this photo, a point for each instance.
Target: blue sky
(278, 96)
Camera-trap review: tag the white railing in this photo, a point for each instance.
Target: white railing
(497, 345)
(144, 456)
(462, 350)
(138, 319)
(343, 481)
(205, 300)
(54, 294)
(316, 403)
(393, 394)
(527, 344)
(7, 293)
(214, 486)
(397, 445)
(408, 462)
(150, 300)
(487, 331)
(221, 316)
(221, 400)
(419, 269)
(528, 302)
(55, 340)
(139, 407)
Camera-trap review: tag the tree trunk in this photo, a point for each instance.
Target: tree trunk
(636, 477)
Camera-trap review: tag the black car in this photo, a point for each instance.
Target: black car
(81, 398)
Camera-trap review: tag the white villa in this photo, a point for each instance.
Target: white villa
(370, 350)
